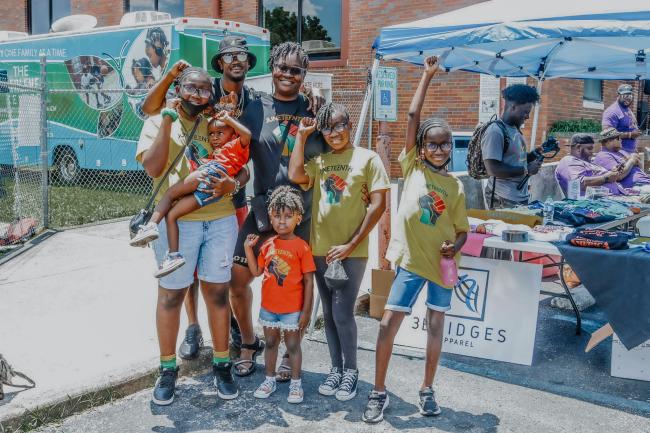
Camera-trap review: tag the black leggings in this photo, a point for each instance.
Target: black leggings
(338, 311)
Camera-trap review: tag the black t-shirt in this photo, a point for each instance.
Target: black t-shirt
(267, 118)
(239, 199)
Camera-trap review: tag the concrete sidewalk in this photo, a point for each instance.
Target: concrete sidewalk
(78, 315)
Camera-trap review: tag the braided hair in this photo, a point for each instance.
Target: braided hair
(286, 49)
(326, 112)
(286, 197)
(425, 126)
(192, 70)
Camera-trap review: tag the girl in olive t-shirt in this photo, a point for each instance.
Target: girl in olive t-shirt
(341, 222)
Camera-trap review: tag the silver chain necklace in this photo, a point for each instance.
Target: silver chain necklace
(240, 102)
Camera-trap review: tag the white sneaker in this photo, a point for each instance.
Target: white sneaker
(172, 262)
(267, 388)
(331, 383)
(146, 234)
(296, 394)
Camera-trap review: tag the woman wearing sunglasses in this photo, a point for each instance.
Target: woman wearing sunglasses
(273, 121)
(206, 236)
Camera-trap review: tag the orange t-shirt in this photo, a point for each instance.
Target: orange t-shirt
(284, 262)
(232, 155)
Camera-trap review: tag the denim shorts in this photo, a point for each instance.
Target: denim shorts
(285, 321)
(207, 247)
(406, 288)
(210, 168)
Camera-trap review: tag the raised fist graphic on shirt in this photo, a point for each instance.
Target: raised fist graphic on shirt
(334, 187)
(431, 207)
(279, 268)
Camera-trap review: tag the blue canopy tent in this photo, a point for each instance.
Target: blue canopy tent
(544, 40)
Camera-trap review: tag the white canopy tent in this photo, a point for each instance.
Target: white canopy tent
(598, 39)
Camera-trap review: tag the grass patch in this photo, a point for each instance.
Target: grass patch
(97, 198)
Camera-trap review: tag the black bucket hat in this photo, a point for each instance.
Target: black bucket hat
(233, 44)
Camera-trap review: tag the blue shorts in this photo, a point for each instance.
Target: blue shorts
(285, 321)
(209, 168)
(207, 246)
(406, 288)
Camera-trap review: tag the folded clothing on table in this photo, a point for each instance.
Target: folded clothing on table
(597, 238)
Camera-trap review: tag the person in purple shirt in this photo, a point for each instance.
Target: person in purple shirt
(612, 157)
(577, 165)
(619, 116)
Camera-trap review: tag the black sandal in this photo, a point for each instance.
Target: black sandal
(284, 370)
(251, 364)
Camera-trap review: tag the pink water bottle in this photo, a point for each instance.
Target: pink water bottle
(448, 271)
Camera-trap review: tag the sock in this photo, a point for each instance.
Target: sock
(270, 378)
(296, 381)
(218, 357)
(380, 392)
(168, 361)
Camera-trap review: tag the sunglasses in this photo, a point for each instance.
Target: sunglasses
(193, 90)
(228, 58)
(435, 146)
(293, 70)
(339, 127)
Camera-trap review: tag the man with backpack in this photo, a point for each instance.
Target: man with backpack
(503, 151)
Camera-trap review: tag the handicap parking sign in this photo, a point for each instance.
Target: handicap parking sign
(386, 94)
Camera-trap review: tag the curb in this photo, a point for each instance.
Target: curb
(61, 408)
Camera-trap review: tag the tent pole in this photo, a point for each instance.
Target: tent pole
(366, 102)
(533, 134)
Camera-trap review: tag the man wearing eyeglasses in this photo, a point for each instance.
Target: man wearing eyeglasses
(619, 115)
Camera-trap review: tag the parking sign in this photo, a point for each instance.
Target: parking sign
(386, 94)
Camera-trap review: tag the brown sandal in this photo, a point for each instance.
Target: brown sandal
(284, 370)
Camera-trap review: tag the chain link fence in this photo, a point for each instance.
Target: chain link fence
(22, 184)
(353, 101)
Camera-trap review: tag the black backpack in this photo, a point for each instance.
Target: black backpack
(475, 163)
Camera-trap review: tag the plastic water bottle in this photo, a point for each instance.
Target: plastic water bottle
(448, 271)
(549, 209)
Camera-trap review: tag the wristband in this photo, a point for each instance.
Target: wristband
(170, 112)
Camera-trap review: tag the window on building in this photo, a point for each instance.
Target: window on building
(42, 13)
(593, 90)
(176, 8)
(316, 24)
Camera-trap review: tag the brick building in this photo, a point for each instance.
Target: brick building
(351, 26)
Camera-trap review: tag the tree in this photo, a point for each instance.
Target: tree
(283, 26)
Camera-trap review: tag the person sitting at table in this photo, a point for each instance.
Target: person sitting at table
(613, 157)
(577, 165)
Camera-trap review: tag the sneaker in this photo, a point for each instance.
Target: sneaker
(146, 234)
(267, 388)
(192, 343)
(224, 381)
(332, 382)
(163, 392)
(377, 403)
(172, 262)
(296, 394)
(348, 388)
(427, 403)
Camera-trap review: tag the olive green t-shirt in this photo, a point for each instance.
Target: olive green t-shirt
(431, 211)
(338, 208)
(180, 128)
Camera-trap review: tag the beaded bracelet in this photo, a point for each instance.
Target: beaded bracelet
(169, 112)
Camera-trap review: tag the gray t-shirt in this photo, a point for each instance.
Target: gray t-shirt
(492, 144)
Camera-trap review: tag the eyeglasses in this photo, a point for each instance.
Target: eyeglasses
(193, 90)
(339, 127)
(228, 58)
(435, 146)
(293, 70)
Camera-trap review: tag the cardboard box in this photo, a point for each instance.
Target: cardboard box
(630, 364)
(505, 216)
(381, 281)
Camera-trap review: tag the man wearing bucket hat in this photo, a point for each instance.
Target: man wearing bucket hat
(613, 157)
(620, 116)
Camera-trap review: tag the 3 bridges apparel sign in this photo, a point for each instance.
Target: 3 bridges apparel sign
(493, 312)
